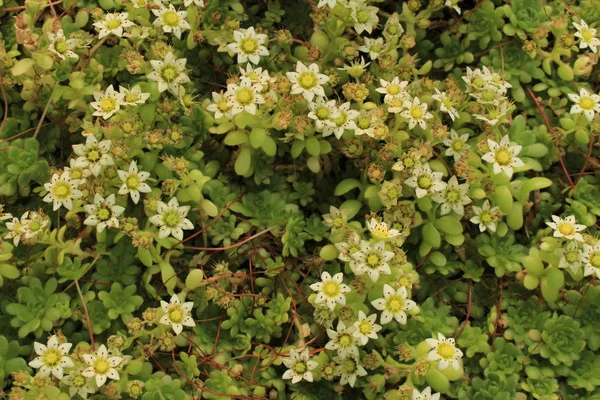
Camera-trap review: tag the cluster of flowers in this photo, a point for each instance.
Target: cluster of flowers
(88, 370)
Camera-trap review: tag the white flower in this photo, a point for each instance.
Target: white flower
(62, 190)
(381, 230)
(591, 259)
(336, 219)
(52, 358)
(426, 393)
(60, 46)
(446, 104)
(567, 228)
(14, 230)
(342, 340)
(348, 247)
(134, 182)
(571, 256)
(168, 73)
(457, 145)
(176, 314)
(366, 328)
(78, 384)
(93, 154)
(107, 103)
(393, 304)
(445, 350)
(345, 121)
(453, 197)
(504, 156)
(133, 96)
(101, 366)
(356, 68)
(299, 365)
(248, 45)
(323, 113)
(103, 213)
(330, 290)
(220, 106)
(586, 103)
(373, 47)
(425, 181)
(171, 219)
(328, 3)
(244, 97)
(77, 171)
(33, 223)
(349, 368)
(198, 3)
(416, 113)
(171, 20)
(372, 260)
(365, 124)
(256, 76)
(486, 217)
(393, 90)
(113, 23)
(139, 3)
(587, 36)
(307, 81)
(495, 114)
(364, 16)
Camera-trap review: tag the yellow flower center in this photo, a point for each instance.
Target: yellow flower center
(365, 327)
(364, 123)
(323, 113)
(244, 96)
(172, 219)
(393, 90)
(307, 80)
(300, 368)
(587, 35)
(107, 104)
(113, 24)
(452, 195)
(566, 228)
(132, 97)
(170, 18)
(395, 304)
(331, 289)
(373, 260)
(104, 213)
(587, 103)
(341, 120)
(61, 46)
(485, 217)
(132, 182)
(345, 340)
(572, 256)
(416, 112)
(51, 358)
(424, 182)
(363, 16)
(595, 259)
(101, 366)
(176, 315)
(34, 226)
(503, 157)
(169, 73)
(62, 190)
(92, 154)
(445, 350)
(457, 145)
(249, 45)
(222, 105)
(381, 230)
(78, 381)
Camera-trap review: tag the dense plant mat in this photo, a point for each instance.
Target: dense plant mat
(299, 199)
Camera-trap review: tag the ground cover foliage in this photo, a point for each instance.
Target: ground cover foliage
(302, 199)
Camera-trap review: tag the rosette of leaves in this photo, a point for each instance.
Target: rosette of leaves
(484, 24)
(264, 209)
(585, 372)
(587, 191)
(121, 301)
(586, 308)
(525, 16)
(506, 359)
(542, 388)
(38, 307)
(294, 236)
(451, 52)
(502, 253)
(226, 229)
(10, 360)
(161, 386)
(474, 341)
(563, 340)
(495, 386)
(21, 164)
(523, 317)
(221, 382)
